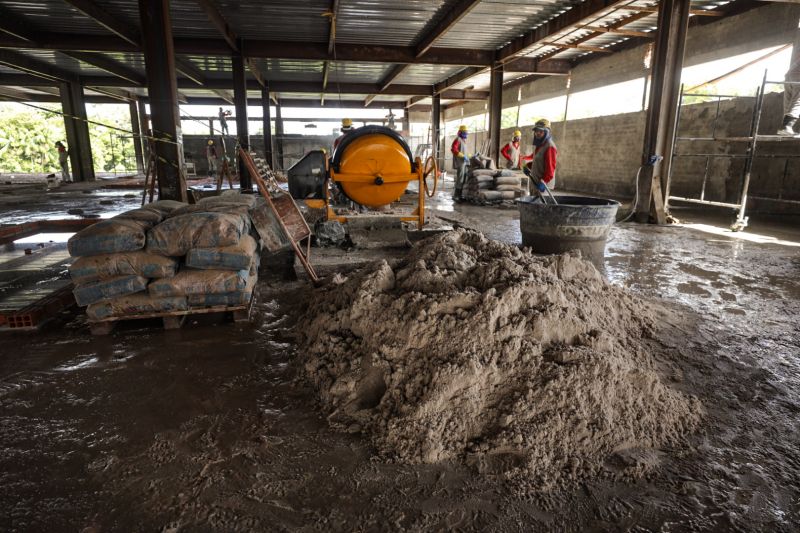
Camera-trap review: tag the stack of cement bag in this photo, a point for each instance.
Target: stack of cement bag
(169, 256)
(487, 185)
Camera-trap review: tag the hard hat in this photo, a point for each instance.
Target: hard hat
(210, 142)
(542, 123)
(517, 133)
(462, 127)
(347, 123)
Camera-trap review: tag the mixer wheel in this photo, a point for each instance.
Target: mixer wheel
(430, 168)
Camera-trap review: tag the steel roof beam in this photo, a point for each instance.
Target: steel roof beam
(21, 62)
(219, 23)
(454, 12)
(109, 22)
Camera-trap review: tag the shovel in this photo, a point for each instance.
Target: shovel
(546, 188)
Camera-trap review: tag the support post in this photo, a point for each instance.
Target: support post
(495, 110)
(436, 117)
(242, 132)
(667, 64)
(162, 88)
(145, 130)
(279, 134)
(77, 128)
(267, 118)
(137, 137)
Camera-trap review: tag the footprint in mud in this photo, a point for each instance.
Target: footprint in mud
(728, 297)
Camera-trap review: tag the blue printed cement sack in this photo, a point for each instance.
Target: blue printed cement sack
(146, 215)
(165, 206)
(229, 198)
(139, 263)
(135, 304)
(106, 289)
(235, 257)
(226, 298)
(190, 281)
(108, 237)
(176, 236)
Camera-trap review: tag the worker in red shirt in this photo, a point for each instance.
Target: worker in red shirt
(347, 127)
(544, 158)
(512, 152)
(460, 161)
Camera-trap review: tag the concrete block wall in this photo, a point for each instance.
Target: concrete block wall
(601, 155)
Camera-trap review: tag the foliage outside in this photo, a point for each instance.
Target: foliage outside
(28, 137)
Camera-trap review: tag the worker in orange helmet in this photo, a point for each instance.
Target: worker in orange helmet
(512, 152)
(544, 158)
(347, 127)
(460, 161)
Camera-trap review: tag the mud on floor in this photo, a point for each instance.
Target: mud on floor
(207, 429)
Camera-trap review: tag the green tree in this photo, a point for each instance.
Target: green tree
(28, 138)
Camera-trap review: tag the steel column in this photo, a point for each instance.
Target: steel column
(144, 128)
(77, 129)
(162, 88)
(240, 103)
(137, 137)
(279, 134)
(495, 110)
(668, 52)
(267, 118)
(436, 125)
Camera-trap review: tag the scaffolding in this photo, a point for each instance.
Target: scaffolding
(752, 142)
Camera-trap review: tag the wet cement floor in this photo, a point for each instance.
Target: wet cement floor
(206, 429)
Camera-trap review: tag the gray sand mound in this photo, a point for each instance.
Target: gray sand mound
(473, 350)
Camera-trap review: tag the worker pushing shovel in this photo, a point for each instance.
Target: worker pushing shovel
(542, 167)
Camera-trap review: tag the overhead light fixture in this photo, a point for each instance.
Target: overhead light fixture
(309, 125)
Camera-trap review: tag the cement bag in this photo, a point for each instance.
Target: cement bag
(148, 216)
(165, 206)
(227, 298)
(176, 236)
(235, 257)
(140, 263)
(510, 195)
(107, 289)
(266, 224)
(508, 180)
(484, 178)
(228, 198)
(135, 304)
(234, 209)
(490, 195)
(483, 172)
(108, 237)
(189, 281)
(506, 173)
(507, 187)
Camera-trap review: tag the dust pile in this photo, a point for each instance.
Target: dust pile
(473, 350)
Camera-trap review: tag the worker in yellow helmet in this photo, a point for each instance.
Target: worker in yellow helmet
(460, 161)
(512, 153)
(544, 158)
(347, 127)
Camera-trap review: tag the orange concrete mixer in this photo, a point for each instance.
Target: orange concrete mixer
(372, 166)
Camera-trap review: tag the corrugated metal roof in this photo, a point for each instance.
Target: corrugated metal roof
(357, 72)
(426, 74)
(277, 20)
(189, 20)
(54, 15)
(399, 22)
(493, 23)
(63, 62)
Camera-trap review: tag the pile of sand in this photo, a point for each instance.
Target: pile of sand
(476, 351)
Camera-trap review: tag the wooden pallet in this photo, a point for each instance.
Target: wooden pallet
(175, 319)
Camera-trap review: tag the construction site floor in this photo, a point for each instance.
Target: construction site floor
(208, 429)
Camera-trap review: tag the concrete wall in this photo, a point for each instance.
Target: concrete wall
(602, 155)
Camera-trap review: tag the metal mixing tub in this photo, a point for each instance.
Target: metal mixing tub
(576, 223)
